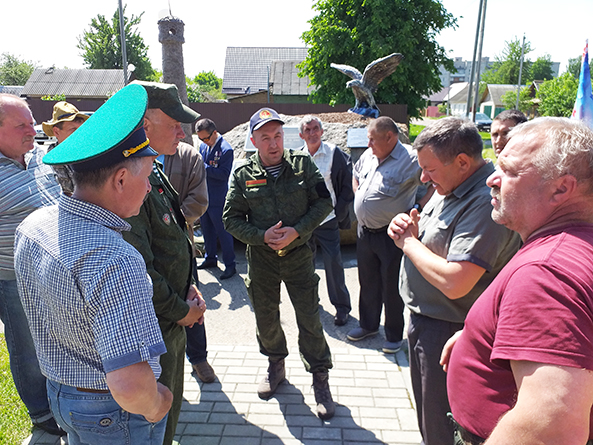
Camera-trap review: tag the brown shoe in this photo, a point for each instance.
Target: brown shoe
(276, 375)
(205, 372)
(326, 408)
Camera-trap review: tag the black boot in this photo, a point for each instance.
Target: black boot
(326, 408)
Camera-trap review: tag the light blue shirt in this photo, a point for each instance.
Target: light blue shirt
(387, 188)
(22, 191)
(86, 294)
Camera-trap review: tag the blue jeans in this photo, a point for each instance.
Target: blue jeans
(91, 418)
(24, 366)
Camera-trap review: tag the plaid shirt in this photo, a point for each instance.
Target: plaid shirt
(86, 294)
(22, 191)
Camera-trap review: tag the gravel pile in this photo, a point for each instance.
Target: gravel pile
(335, 130)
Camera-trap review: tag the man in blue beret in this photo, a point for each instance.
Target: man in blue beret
(85, 291)
(161, 235)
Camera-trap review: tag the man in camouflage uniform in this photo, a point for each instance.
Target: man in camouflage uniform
(160, 234)
(274, 203)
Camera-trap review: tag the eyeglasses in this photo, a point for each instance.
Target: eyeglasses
(206, 139)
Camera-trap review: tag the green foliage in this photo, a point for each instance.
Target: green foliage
(574, 66)
(505, 69)
(542, 68)
(356, 32)
(157, 76)
(205, 87)
(14, 71)
(558, 96)
(15, 424)
(208, 79)
(509, 99)
(55, 98)
(101, 45)
(442, 107)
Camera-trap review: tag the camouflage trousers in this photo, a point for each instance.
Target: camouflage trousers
(265, 271)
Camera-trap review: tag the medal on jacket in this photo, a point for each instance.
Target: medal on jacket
(167, 216)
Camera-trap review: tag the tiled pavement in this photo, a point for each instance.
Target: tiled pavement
(371, 389)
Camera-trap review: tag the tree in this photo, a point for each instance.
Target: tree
(101, 45)
(505, 69)
(509, 100)
(205, 87)
(574, 66)
(542, 69)
(14, 71)
(356, 32)
(557, 96)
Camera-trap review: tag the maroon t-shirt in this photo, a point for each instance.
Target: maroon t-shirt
(539, 309)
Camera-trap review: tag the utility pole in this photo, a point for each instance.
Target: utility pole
(520, 73)
(483, 24)
(471, 76)
(122, 32)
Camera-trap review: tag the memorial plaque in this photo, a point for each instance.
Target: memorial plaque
(357, 138)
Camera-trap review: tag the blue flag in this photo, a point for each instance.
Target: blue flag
(583, 106)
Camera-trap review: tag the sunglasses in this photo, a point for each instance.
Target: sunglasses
(206, 139)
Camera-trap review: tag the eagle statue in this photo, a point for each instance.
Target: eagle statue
(364, 85)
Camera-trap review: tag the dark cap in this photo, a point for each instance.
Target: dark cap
(165, 96)
(111, 135)
(262, 117)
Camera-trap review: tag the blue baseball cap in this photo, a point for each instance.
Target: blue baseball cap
(262, 117)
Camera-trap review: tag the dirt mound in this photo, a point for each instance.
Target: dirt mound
(335, 129)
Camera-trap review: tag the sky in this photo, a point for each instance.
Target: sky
(47, 33)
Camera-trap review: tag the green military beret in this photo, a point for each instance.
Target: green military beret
(111, 135)
(165, 96)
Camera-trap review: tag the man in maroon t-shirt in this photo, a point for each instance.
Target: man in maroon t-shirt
(521, 371)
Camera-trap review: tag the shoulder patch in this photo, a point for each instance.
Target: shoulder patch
(255, 182)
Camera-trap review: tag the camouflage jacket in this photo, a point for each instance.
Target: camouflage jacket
(256, 200)
(159, 234)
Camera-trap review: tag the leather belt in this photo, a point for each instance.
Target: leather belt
(93, 391)
(379, 230)
(466, 436)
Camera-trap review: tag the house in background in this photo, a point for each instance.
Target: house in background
(75, 84)
(86, 89)
(491, 104)
(11, 89)
(264, 75)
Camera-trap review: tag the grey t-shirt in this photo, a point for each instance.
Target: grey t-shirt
(385, 189)
(458, 227)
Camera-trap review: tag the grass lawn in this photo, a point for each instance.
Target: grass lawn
(488, 152)
(15, 424)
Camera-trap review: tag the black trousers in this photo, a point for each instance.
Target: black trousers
(379, 260)
(426, 338)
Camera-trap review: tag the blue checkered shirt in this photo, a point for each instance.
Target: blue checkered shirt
(22, 191)
(86, 294)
